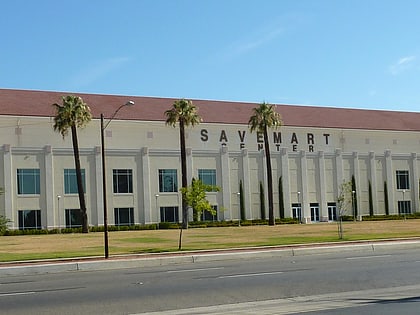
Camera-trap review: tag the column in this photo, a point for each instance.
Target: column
(306, 215)
(246, 185)
(322, 196)
(50, 207)
(143, 175)
(226, 190)
(373, 180)
(99, 191)
(390, 183)
(415, 190)
(286, 182)
(8, 187)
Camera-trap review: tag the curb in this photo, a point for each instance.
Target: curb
(166, 259)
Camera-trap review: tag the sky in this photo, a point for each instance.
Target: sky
(335, 53)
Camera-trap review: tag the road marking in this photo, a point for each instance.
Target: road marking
(251, 275)
(193, 270)
(367, 257)
(17, 293)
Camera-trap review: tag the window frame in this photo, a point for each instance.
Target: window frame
(33, 175)
(207, 173)
(70, 179)
(402, 179)
(117, 216)
(164, 175)
(118, 183)
(69, 215)
(23, 218)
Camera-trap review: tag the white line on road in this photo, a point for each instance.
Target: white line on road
(193, 270)
(251, 274)
(367, 257)
(16, 293)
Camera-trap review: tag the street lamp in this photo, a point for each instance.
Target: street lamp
(103, 127)
(403, 204)
(353, 205)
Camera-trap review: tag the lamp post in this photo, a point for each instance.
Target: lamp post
(403, 204)
(103, 127)
(300, 208)
(58, 206)
(353, 205)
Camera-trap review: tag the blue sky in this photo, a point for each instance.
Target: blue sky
(340, 53)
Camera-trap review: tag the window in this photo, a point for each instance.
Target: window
(403, 181)
(332, 211)
(73, 218)
(168, 181)
(28, 181)
(70, 181)
(169, 214)
(207, 177)
(124, 216)
(297, 211)
(123, 181)
(314, 212)
(29, 219)
(404, 207)
(207, 216)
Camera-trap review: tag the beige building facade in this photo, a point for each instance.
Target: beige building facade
(315, 151)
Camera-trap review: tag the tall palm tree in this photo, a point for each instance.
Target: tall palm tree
(185, 114)
(265, 117)
(73, 114)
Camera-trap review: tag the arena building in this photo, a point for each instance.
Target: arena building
(316, 150)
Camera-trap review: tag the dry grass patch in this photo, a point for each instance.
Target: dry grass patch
(125, 242)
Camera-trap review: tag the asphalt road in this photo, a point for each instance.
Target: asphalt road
(385, 282)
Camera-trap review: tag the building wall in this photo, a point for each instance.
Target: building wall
(312, 162)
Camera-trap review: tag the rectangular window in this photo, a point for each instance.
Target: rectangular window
(297, 211)
(314, 212)
(207, 216)
(169, 214)
(332, 211)
(29, 219)
(124, 216)
(70, 181)
(168, 181)
(28, 181)
(73, 218)
(403, 181)
(404, 207)
(207, 176)
(123, 181)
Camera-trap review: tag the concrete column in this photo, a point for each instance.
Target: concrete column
(286, 182)
(306, 214)
(9, 192)
(415, 189)
(393, 209)
(373, 180)
(98, 189)
(51, 210)
(246, 184)
(356, 174)
(322, 197)
(226, 190)
(145, 205)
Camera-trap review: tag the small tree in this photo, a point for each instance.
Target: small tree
(196, 198)
(344, 202)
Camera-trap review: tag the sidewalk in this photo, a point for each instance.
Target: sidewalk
(163, 259)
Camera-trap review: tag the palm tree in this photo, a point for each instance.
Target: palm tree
(264, 117)
(74, 113)
(185, 113)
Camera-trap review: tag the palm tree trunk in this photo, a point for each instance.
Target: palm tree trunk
(183, 173)
(269, 179)
(85, 228)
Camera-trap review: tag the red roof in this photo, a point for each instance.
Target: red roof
(38, 103)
